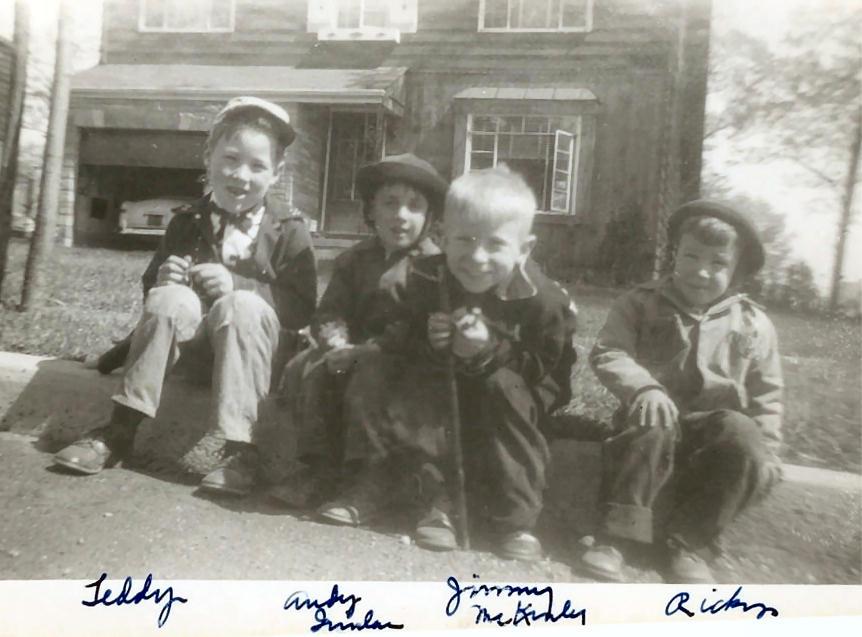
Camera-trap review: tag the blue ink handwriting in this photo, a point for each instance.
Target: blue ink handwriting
(678, 602)
(300, 600)
(124, 596)
(524, 612)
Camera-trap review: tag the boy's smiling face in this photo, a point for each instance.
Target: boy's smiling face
(482, 251)
(241, 168)
(703, 273)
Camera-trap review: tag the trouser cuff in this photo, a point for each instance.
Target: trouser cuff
(628, 521)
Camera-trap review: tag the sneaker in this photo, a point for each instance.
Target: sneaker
(520, 545)
(686, 566)
(237, 472)
(602, 561)
(371, 492)
(101, 448)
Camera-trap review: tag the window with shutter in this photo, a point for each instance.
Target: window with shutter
(535, 146)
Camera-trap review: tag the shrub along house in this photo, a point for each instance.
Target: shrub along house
(598, 103)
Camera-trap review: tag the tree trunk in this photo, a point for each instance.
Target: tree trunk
(846, 213)
(9, 166)
(42, 243)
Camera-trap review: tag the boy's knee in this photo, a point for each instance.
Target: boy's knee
(176, 301)
(738, 432)
(507, 387)
(243, 309)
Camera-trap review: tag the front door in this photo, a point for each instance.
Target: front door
(356, 139)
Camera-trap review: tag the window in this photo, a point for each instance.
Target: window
(361, 19)
(535, 15)
(535, 146)
(194, 16)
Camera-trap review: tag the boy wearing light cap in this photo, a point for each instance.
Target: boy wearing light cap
(695, 365)
(232, 270)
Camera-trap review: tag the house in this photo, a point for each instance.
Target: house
(598, 103)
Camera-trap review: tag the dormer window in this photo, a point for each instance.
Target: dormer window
(536, 15)
(188, 16)
(361, 19)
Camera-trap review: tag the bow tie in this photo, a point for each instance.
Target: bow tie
(242, 221)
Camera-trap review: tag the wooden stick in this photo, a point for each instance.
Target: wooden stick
(454, 428)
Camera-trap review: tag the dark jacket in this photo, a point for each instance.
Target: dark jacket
(533, 323)
(281, 269)
(359, 302)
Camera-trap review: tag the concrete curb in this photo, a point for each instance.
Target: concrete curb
(58, 400)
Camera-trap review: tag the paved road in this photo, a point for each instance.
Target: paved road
(56, 525)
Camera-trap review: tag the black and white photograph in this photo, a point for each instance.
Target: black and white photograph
(476, 297)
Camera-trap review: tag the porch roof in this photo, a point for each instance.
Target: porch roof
(383, 85)
(526, 93)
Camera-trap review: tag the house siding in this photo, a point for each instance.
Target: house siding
(645, 62)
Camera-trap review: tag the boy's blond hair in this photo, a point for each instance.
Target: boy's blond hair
(491, 193)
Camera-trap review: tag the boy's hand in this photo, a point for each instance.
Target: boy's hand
(174, 270)
(654, 408)
(213, 278)
(471, 335)
(439, 330)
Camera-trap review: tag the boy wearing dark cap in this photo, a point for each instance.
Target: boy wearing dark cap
(508, 330)
(695, 366)
(402, 196)
(232, 270)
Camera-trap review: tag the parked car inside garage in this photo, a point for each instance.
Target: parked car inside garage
(149, 216)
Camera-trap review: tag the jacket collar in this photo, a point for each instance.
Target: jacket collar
(423, 247)
(519, 285)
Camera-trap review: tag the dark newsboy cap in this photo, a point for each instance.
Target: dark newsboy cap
(407, 168)
(752, 254)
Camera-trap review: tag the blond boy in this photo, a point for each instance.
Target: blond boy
(509, 329)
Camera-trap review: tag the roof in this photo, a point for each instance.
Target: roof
(382, 85)
(520, 93)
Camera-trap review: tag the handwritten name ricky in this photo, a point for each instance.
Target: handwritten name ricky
(300, 600)
(677, 604)
(125, 596)
(523, 612)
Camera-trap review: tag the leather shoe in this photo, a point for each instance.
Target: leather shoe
(102, 448)
(603, 561)
(237, 473)
(435, 532)
(685, 566)
(520, 545)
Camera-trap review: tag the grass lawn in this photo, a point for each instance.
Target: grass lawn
(94, 296)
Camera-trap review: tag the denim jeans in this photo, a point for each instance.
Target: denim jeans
(701, 475)
(240, 332)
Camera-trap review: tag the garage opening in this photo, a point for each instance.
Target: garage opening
(118, 166)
